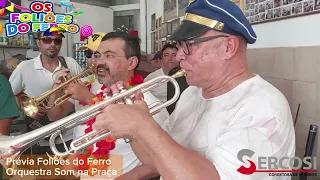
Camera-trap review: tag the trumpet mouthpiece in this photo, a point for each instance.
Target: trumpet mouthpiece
(178, 74)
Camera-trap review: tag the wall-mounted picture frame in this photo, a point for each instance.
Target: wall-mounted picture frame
(169, 28)
(175, 24)
(153, 42)
(169, 9)
(182, 6)
(153, 22)
(156, 35)
(159, 35)
(163, 30)
(262, 11)
(157, 23)
(160, 21)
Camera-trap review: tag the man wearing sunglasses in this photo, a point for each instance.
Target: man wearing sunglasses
(227, 118)
(34, 77)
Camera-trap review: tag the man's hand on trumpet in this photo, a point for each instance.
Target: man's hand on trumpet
(77, 90)
(124, 121)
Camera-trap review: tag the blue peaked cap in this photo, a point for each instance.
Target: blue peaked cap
(220, 15)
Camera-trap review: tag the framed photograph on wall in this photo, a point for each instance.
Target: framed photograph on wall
(156, 35)
(163, 30)
(153, 22)
(153, 42)
(157, 23)
(182, 6)
(160, 22)
(169, 28)
(159, 35)
(262, 11)
(175, 23)
(169, 9)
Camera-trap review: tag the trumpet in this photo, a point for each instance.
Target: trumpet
(30, 105)
(16, 145)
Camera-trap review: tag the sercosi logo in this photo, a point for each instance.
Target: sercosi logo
(285, 165)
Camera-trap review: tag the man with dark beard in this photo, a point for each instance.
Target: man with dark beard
(34, 77)
(116, 58)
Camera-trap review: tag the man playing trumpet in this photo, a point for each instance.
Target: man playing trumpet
(35, 77)
(227, 118)
(115, 59)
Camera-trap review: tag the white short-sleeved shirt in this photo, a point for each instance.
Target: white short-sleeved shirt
(33, 79)
(161, 91)
(130, 160)
(254, 115)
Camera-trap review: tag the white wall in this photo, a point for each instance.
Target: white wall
(136, 17)
(298, 31)
(293, 32)
(99, 18)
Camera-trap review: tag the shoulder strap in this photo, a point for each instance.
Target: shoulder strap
(63, 61)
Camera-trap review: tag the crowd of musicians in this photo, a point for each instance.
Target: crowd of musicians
(223, 108)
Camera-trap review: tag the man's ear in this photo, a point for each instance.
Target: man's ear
(38, 42)
(233, 44)
(133, 63)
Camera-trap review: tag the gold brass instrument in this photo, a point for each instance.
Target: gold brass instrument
(30, 105)
(16, 145)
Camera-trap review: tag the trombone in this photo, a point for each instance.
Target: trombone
(30, 105)
(18, 144)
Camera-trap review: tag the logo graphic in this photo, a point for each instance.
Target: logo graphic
(244, 170)
(283, 165)
(86, 31)
(40, 18)
(2, 3)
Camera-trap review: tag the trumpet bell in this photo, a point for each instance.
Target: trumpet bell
(28, 106)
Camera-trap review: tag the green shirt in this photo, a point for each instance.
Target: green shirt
(8, 104)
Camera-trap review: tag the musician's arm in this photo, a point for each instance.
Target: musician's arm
(16, 82)
(170, 158)
(61, 111)
(8, 106)
(146, 170)
(142, 172)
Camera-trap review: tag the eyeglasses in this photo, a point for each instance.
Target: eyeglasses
(47, 40)
(107, 56)
(186, 44)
